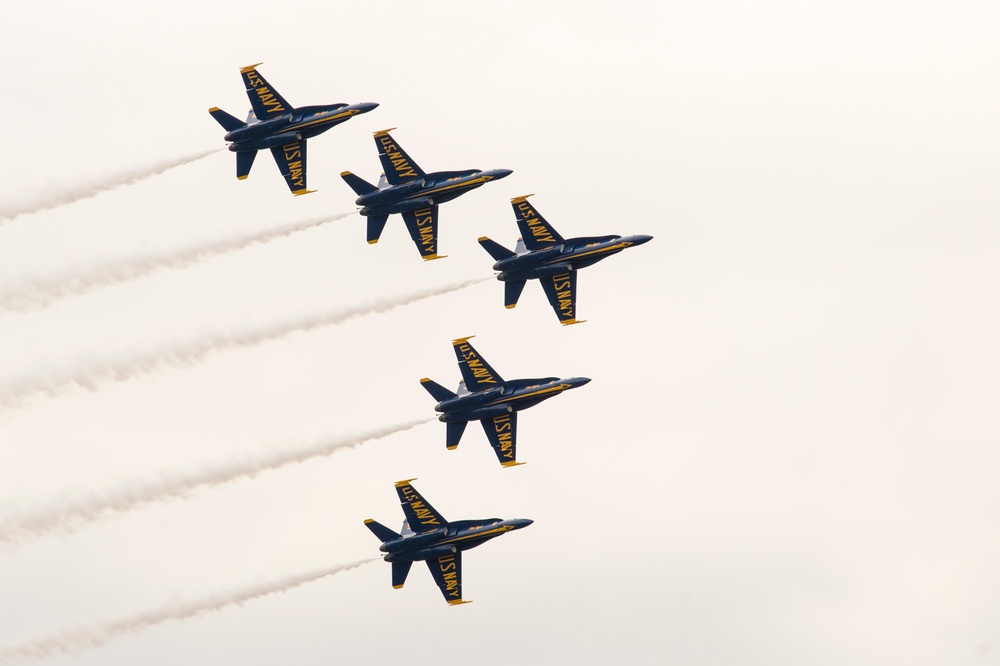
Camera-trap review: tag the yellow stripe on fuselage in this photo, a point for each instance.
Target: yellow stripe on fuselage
(616, 246)
(452, 186)
(550, 389)
(501, 530)
(317, 121)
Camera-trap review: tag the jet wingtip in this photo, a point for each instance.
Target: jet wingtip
(250, 68)
(397, 587)
(570, 322)
(404, 482)
(382, 132)
(459, 602)
(521, 198)
(432, 257)
(511, 306)
(511, 463)
(458, 341)
(299, 193)
(369, 520)
(345, 173)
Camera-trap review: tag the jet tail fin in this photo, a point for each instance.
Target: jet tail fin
(357, 183)
(496, 250)
(228, 122)
(381, 531)
(437, 391)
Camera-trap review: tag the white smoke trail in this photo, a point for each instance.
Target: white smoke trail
(92, 377)
(85, 191)
(72, 513)
(33, 295)
(73, 640)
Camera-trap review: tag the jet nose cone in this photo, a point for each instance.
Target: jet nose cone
(577, 382)
(365, 107)
(640, 239)
(501, 173)
(520, 522)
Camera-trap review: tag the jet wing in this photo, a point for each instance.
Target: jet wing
(447, 572)
(561, 292)
(397, 166)
(502, 433)
(535, 231)
(420, 515)
(264, 99)
(291, 161)
(423, 227)
(476, 372)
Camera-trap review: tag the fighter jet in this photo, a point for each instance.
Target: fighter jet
(274, 123)
(483, 396)
(405, 188)
(543, 254)
(427, 536)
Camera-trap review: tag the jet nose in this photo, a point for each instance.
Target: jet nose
(576, 382)
(365, 107)
(501, 173)
(640, 239)
(518, 523)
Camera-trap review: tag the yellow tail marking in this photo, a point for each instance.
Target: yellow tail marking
(452, 448)
(372, 242)
(397, 587)
(214, 109)
(346, 173)
(242, 177)
(511, 307)
(369, 520)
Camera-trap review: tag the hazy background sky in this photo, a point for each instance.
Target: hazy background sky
(789, 450)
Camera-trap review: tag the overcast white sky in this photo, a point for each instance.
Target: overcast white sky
(789, 450)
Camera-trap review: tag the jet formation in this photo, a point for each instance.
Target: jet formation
(274, 123)
(427, 536)
(482, 395)
(542, 254)
(407, 189)
(485, 397)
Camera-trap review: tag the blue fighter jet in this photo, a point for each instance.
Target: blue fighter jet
(274, 123)
(484, 396)
(543, 254)
(427, 536)
(405, 188)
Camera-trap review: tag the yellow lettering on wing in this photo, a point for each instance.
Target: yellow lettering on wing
(425, 223)
(449, 573)
(399, 162)
(296, 170)
(479, 370)
(562, 286)
(420, 510)
(505, 435)
(538, 228)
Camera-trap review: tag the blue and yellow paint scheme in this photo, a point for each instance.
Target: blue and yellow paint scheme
(276, 125)
(407, 189)
(485, 397)
(542, 254)
(427, 536)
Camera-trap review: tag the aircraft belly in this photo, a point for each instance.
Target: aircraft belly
(531, 402)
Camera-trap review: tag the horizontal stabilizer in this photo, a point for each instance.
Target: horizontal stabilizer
(496, 250)
(381, 531)
(357, 183)
(399, 572)
(376, 223)
(512, 291)
(454, 435)
(244, 161)
(438, 392)
(228, 122)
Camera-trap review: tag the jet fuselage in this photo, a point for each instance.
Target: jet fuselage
(512, 396)
(435, 188)
(449, 538)
(573, 254)
(301, 123)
